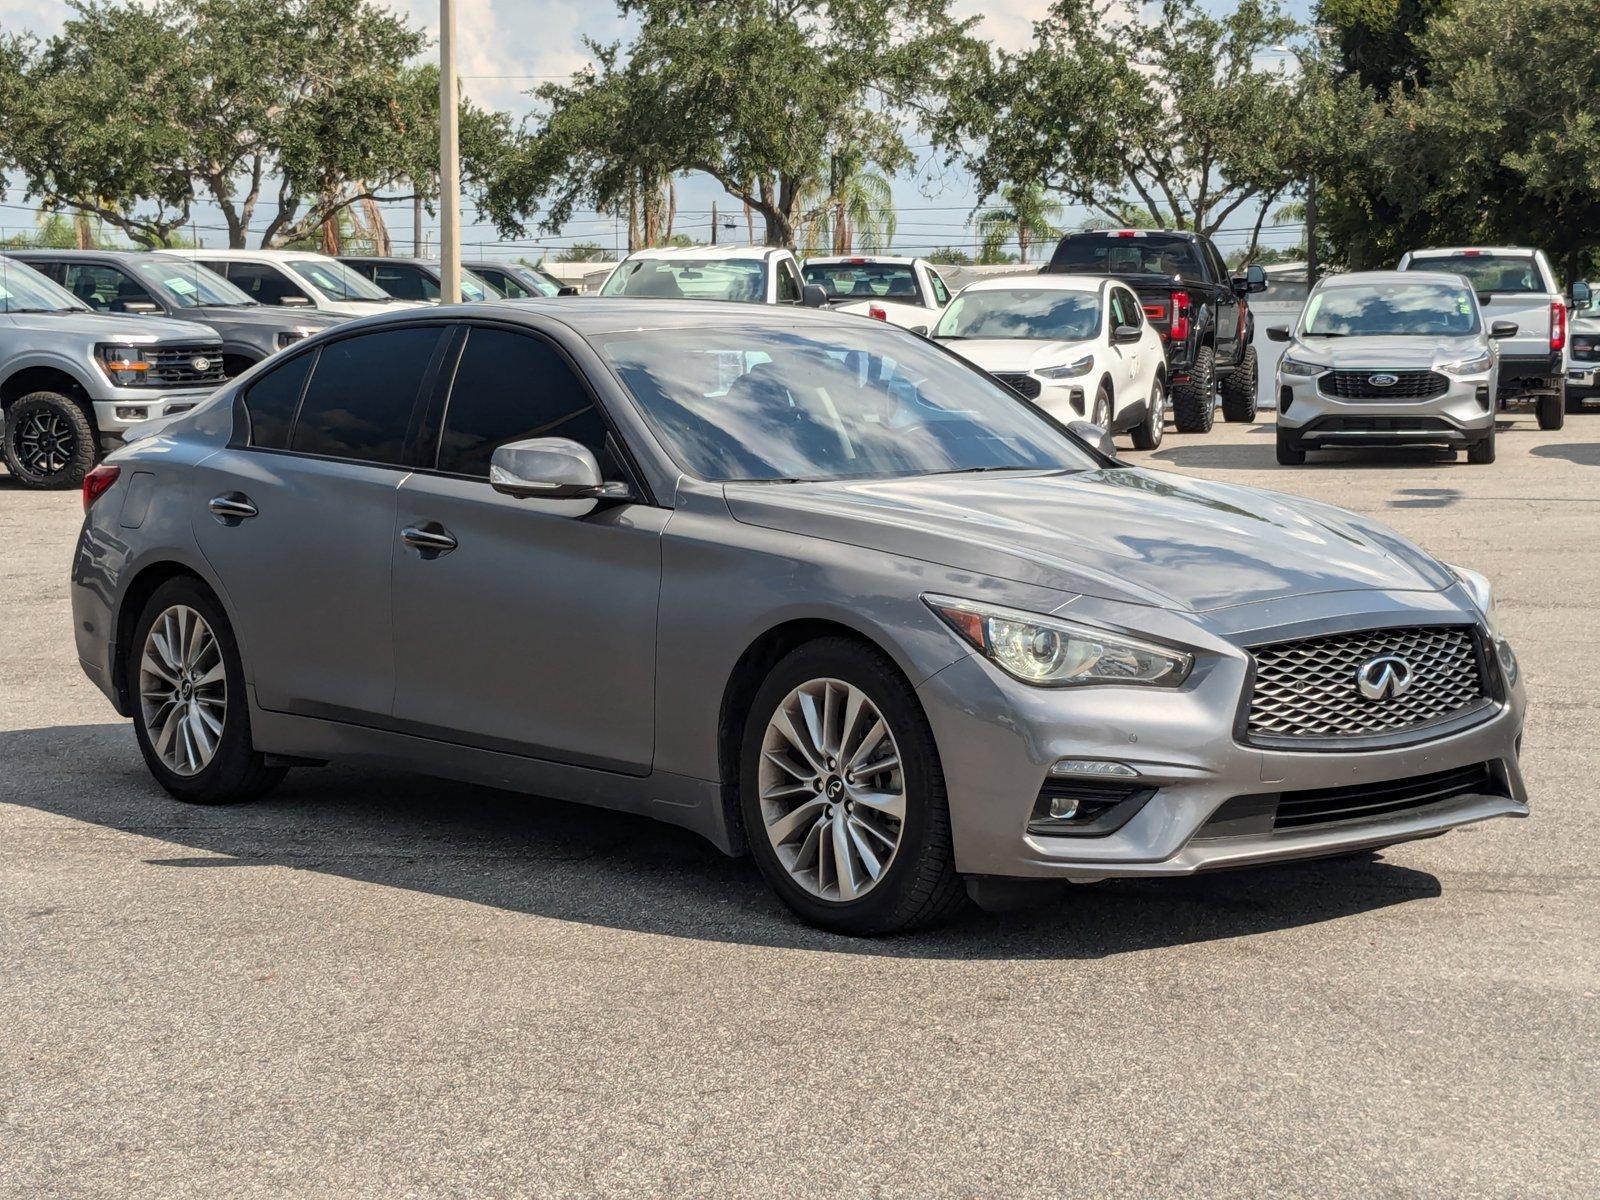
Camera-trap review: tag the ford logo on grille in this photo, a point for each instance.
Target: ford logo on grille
(1384, 677)
(1383, 380)
(201, 364)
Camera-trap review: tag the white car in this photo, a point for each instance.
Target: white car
(751, 274)
(1075, 345)
(903, 291)
(297, 279)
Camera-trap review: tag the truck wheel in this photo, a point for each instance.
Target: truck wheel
(1552, 410)
(50, 441)
(1289, 452)
(1482, 452)
(1194, 399)
(1147, 433)
(1239, 391)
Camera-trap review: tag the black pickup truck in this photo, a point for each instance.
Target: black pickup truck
(1198, 310)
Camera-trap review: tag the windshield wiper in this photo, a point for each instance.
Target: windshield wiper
(981, 470)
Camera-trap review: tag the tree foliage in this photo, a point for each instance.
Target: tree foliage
(758, 94)
(1025, 215)
(290, 112)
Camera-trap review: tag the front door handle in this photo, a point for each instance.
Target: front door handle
(232, 507)
(430, 538)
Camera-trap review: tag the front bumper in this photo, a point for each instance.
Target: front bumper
(998, 739)
(115, 416)
(1462, 416)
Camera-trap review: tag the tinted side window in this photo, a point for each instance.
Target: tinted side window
(508, 387)
(271, 402)
(788, 283)
(941, 294)
(359, 402)
(1132, 310)
(263, 284)
(105, 288)
(405, 283)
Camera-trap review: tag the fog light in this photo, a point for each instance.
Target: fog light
(132, 412)
(1098, 767)
(1063, 808)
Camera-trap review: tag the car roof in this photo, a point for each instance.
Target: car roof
(242, 255)
(1371, 277)
(45, 252)
(894, 260)
(590, 316)
(703, 252)
(1444, 251)
(1054, 283)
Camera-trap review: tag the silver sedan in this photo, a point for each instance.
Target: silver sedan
(805, 584)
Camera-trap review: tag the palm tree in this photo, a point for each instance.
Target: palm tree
(1025, 215)
(854, 203)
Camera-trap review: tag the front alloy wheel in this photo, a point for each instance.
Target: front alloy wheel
(833, 794)
(183, 690)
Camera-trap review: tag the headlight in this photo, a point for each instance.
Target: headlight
(1298, 366)
(125, 366)
(289, 337)
(1050, 652)
(1067, 370)
(1469, 366)
(1482, 593)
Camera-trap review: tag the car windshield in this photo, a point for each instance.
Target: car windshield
(689, 279)
(1389, 309)
(188, 284)
(1485, 272)
(865, 281)
(744, 401)
(1125, 254)
(22, 289)
(1037, 314)
(335, 281)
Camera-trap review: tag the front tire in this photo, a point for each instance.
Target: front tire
(190, 714)
(842, 794)
(1289, 452)
(1239, 390)
(50, 441)
(1482, 451)
(1100, 414)
(1147, 434)
(1552, 410)
(1194, 399)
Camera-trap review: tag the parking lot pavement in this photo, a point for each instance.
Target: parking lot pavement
(376, 985)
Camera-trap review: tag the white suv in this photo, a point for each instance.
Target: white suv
(297, 279)
(752, 274)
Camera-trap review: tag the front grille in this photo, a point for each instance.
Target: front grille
(1024, 385)
(1309, 688)
(1407, 385)
(174, 366)
(1327, 806)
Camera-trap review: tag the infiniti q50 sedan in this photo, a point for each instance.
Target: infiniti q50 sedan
(809, 585)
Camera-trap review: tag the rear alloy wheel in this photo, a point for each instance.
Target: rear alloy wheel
(1239, 390)
(1194, 399)
(842, 794)
(1552, 410)
(50, 441)
(1147, 433)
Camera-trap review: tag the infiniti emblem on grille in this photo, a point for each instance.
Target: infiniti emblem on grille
(1384, 677)
(1383, 380)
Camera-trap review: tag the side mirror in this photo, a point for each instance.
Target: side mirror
(551, 469)
(1485, 297)
(814, 295)
(1255, 278)
(568, 290)
(1277, 333)
(1122, 335)
(1095, 436)
(1503, 329)
(1580, 293)
(142, 308)
(919, 330)
(295, 301)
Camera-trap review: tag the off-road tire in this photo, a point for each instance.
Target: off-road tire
(64, 413)
(1239, 390)
(1194, 399)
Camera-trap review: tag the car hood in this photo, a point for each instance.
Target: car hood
(265, 316)
(1016, 354)
(1364, 353)
(1141, 537)
(130, 330)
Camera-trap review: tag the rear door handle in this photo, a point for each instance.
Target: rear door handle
(431, 538)
(232, 507)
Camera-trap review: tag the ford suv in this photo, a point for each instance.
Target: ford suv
(74, 382)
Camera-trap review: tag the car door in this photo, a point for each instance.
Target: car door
(1229, 311)
(789, 288)
(296, 518)
(1123, 309)
(534, 630)
(1146, 354)
(403, 281)
(108, 289)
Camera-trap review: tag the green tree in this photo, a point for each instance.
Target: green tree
(950, 256)
(757, 94)
(850, 203)
(584, 252)
(1026, 215)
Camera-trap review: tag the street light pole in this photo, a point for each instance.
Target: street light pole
(449, 160)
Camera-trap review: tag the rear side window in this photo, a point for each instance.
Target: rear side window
(405, 283)
(941, 294)
(271, 402)
(789, 291)
(360, 399)
(509, 387)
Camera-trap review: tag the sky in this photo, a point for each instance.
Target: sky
(506, 47)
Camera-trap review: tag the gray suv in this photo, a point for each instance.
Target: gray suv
(804, 583)
(162, 285)
(74, 381)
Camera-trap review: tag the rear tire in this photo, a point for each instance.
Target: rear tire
(1551, 410)
(1289, 452)
(182, 649)
(50, 441)
(1482, 452)
(813, 692)
(1239, 390)
(1147, 433)
(1194, 399)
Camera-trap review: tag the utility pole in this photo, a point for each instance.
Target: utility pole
(713, 222)
(449, 160)
(416, 222)
(1311, 231)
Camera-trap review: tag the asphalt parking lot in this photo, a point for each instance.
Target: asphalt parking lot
(370, 984)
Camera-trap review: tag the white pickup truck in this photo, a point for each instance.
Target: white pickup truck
(1515, 284)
